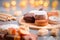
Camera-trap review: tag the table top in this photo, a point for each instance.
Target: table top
(48, 37)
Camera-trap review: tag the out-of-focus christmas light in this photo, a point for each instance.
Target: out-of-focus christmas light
(36, 4)
(41, 2)
(6, 5)
(23, 4)
(46, 4)
(13, 3)
(54, 4)
(32, 2)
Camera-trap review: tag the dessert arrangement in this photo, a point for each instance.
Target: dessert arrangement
(43, 21)
(37, 19)
(14, 32)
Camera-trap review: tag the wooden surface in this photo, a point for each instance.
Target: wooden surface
(33, 26)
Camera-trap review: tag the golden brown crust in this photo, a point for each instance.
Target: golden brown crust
(52, 22)
(41, 22)
(54, 31)
(6, 17)
(53, 14)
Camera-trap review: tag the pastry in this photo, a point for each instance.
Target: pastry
(29, 18)
(3, 34)
(53, 20)
(12, 37)
(41, 18)
(2, 19)
(41, 22)
(6, 17)
(18, 13)
(7, 26)
(43, 32)
(12, 31)
(29, 37)
(11, 28)
(54, 31)
(23, 30)
(53, 14)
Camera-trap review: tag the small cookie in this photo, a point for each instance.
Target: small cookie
(43, 32)
(53, 20)
(23, 30)
(54, 31)
(18, 13)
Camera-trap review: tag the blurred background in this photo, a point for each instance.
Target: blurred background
(23, 6)
(27, 5)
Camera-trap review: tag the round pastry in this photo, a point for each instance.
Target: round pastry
(18, 13)
(53, 20)
(11, 28)
(29, 37)
(23, 30)
(41, 22)
(41, 18)
(53, 14)
(12, 31)
(29, 18)
(43, 32)
(54, 31)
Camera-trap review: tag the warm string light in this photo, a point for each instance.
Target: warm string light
(36, 4)
(23, 4)
(46, 4)
(33, 3)
(41, 2)
(13, 4)
(54, 4)
(6, 5)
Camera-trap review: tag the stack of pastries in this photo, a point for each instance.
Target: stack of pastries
(53, 17)
(16, 33)
(40, 18)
